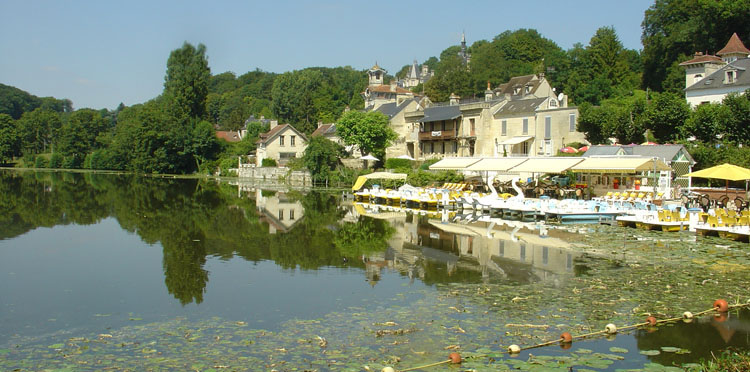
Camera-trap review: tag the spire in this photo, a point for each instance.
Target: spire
(734, 45)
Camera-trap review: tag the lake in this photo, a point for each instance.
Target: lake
(124, 272)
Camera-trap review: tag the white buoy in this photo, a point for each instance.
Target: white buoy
(514, 349)
(610, 328)
(687, 315)
(387, 369)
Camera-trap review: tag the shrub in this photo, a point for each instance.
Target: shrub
(55, 161)
(268, 162)
(394, 163)
(427, 163)
(41, 162)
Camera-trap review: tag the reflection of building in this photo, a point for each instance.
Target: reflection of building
(278, 210)
(435, 251)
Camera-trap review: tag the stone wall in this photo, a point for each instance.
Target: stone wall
(274, 174)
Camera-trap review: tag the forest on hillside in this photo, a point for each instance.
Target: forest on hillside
(621, 93)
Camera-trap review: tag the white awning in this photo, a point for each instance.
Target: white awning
(620, 165)
(496, 164)
(547, 165)
(515, 140)
(454, 163)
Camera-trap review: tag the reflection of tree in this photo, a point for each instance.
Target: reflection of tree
(367, 235)
(183, 271)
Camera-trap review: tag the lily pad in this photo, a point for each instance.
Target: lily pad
(616, 349)
(650, 352)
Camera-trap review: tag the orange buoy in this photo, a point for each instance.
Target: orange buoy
(455, 358)
(566, 337)
(651, 321)
(721, 305)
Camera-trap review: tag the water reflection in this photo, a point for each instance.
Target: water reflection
(446, 247)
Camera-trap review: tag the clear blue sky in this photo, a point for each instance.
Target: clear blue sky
(99, 53)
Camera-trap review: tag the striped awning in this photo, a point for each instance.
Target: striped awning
(454, 163)
(496, 164)
(546, 165)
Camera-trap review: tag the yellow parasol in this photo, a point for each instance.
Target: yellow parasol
(726, 171)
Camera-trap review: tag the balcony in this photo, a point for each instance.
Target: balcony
(437, 135)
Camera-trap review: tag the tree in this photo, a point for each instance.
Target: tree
(293, 98)
(37, 129)
(8, 138)
(737, 122)
(186, 82)
(321, 157)
(78, 136)
(666, 116)
(369, 131)
(674, 28)
(706, 123)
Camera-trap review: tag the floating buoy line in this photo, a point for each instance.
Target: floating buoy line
(720, 309)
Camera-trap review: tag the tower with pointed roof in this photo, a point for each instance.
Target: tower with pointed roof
(463, 53)
(377, 74)
(709, 78)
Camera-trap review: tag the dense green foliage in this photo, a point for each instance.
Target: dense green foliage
(15, 102)
(369, 131)
(675, 29)
(322, 156)
(8, 138)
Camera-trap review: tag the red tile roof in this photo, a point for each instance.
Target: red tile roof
(702, 58)
(734, 45)
(228, 136)
(322, 130)
(387, 89)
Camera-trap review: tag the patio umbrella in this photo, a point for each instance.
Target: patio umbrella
(407, 157)
(368, 157)
(583, 149)
(569, 150)
(726, 171)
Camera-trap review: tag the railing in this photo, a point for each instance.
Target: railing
(437, 135)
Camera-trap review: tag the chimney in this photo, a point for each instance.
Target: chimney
(274, 123)
(393, 85)
(454, 99)
(488, 92)
(320, 122)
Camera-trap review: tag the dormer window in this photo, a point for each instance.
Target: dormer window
(731, 77)
(516, 90)
(697, 78)
(527, 89)
(552, 102)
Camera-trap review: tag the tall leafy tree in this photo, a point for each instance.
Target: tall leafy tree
(737, 123)
(706, 123)
(38, 128)
(293, 96)
(673, 29)
(321, 157)
(666, 116)
(369, 131)
(8, 138)
(186, 82)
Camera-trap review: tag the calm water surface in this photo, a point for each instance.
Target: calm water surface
(126, 272)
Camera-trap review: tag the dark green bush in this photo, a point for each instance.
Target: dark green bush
(41, 162)
(394, 163)
(268, 162)
(56, 160)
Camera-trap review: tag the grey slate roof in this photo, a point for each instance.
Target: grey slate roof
(716, 80)
(522, 105)
(665, 152)
(391, 109)
(440, 113)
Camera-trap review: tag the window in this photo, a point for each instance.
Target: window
(291, 214)
(697, 78)
(552, 102)
(455, 147)
(572, 122)
(471, 121)
(281, 215)
(291, 140)
(731, 77)
(525, 126)
(547, 127)
(281, 140)
(504, 128)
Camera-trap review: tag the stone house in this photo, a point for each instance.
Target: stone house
(378, 93)
(523, 117)
(709, 78)
(281, 143)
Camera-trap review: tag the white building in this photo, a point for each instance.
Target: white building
(709, 78)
